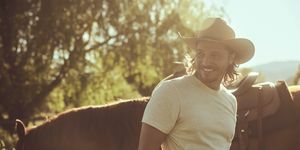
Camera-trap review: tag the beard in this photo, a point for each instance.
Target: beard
(210, 74)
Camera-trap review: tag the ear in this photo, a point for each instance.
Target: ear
(21, 131)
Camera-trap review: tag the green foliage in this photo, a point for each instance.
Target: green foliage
(6, 140)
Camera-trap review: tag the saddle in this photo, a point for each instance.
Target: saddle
(262, 108)
(263, 95)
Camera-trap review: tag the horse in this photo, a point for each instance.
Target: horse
(116, 126)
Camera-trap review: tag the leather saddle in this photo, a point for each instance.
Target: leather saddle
(252, 96)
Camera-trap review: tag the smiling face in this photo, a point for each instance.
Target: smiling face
(211, 62)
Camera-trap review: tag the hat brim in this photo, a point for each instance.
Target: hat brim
(244, 48)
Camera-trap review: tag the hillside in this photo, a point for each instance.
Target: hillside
(280, 70)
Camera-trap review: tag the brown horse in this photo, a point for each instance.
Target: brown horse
(117, 127)
(114, 126)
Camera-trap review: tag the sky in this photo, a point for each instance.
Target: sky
(272, 25)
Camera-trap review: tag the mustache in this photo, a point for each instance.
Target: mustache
(208, 66)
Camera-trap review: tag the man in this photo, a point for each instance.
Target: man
(196, 112)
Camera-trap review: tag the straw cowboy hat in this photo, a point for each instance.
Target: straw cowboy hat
(216, 30)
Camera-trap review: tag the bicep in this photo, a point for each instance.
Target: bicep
(151, 138)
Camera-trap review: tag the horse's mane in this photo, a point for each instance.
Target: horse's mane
(84, 122)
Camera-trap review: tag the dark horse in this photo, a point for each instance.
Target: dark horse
(117, 126)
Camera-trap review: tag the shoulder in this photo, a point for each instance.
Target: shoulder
(171, 84)
(227, 92)
(169, 91)
(229, 96)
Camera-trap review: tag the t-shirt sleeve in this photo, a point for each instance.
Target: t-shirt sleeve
(234, 103)
(163, 108)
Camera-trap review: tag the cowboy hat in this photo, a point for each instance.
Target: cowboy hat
(216, 30)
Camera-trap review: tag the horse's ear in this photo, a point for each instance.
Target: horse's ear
(21, 131)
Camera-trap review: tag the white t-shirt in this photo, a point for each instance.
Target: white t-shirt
(194, 116)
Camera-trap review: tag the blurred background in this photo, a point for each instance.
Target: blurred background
(60, 54)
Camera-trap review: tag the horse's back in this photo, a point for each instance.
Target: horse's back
(113, 126)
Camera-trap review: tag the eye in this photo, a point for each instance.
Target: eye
(200, 54)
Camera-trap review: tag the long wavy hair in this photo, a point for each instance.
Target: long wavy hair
(229, 77)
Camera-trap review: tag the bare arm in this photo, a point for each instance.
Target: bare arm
(151, 138)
